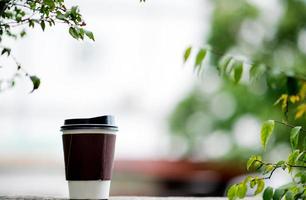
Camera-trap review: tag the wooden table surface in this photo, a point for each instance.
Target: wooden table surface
(128, 198)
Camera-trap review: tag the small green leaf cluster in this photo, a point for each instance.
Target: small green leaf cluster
(232, 68)
(240, 190)
(295, 165)
(228, 67)
(32, 13)
(200, 57)
(79, 33)
(10, 82)
(41, 12)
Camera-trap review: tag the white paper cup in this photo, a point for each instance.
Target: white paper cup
(89, 189)
(89, 154)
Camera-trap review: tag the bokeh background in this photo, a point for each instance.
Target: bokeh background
(180, 133)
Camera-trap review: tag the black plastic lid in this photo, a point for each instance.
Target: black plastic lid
(105, 122)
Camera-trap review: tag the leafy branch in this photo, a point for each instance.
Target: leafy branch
(289, 125)
(296, 160)
(232, 68)
(6, 84)
(289, 82)
(31, 13)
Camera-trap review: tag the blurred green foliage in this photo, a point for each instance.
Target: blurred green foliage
(227, 18)
(244, 29)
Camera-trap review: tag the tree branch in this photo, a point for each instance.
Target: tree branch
(296, 166)
(268, 177)
(288, 125)
(276, 167)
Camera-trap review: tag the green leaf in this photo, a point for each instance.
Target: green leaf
(231, 193)
(187, 53)
(294, 137)
(23, 33)
(289, 195)
(32, 5)
(81, 33)
(250, 162)
(287, 186)
(301, 176)
(256, 71)
(31, 23)
(278, 194)
(260, 186)
(73, 32)
(268, 168)
(6, 50)
(60, 16)
(90, 35)
(253, 163)
(238, 69)
(42, 25)
(247, 179)
(223, 64)
(292, 158)
(253, 182)
(13, 83)
(268, 193)
(200, 57)
(36, 82)
(302, 157)
(50, 3)
(74, 10)
(241, 190)
(281, 164)
(266, 132)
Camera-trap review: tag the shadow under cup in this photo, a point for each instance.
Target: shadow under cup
(89, 146)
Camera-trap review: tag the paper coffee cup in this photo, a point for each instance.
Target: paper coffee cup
(89, 146)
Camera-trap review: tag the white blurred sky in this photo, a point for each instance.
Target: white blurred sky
(134, 71)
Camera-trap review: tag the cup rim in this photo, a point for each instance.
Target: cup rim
(89, 126)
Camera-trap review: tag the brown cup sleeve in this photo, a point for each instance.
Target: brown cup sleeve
(88, 156)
